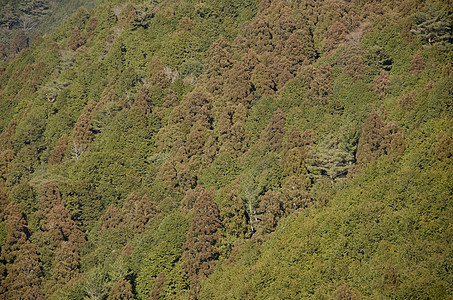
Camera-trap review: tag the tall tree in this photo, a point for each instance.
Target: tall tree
(269, 212)
(233, 215)
(57, 228)
(23, 268)
(379, 138)
(66, 265)
(218, 64)
(295, 193)
(5, 136)
(275, 130)
(336, 34)
(82, 136)
(58, 152)
(157, 287)
(200, 254)
(321, 85)
(111, 219)
(6, 163)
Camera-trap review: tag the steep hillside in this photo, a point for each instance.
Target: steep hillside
(230, 149)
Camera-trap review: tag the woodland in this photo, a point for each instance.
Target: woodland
(226, 149)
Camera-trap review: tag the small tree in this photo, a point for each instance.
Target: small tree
(381, 83)
(121, 290)
(157, 286)
(75, 40)
(418, 64)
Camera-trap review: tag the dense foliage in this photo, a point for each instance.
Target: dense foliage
(228, 149)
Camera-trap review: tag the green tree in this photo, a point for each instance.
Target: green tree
(433, 24)
(233, 215)
(331, 158)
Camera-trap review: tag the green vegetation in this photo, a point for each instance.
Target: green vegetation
(226, 150)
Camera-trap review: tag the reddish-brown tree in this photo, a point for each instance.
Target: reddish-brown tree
(443, 149)
(269, 212)
(6, 161)
(56, 228)
(275, 130)
(237, 84)
(91, 26)
(111, 219)
(295, 51)
(281, 71)
(262, 80)
(75, 40)
(57, 154)
(157, 286)
(3, 204)
(121, 290)
(335, 35)
(82, 136)
(23, 268)
(381, 83)
(18, 43)
(143, 99)
(5, 136)
(198, 108)
(295, 193)
(66, 265)
(418, 64)
(344, 293)
(294, 162)
(156, 73)
(379, 138)
(261, 35)
(321, 85)
(138, 212)
(407, 101)
(200, 255)
(218, 64)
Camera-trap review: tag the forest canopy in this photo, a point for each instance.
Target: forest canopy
(219, 149)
